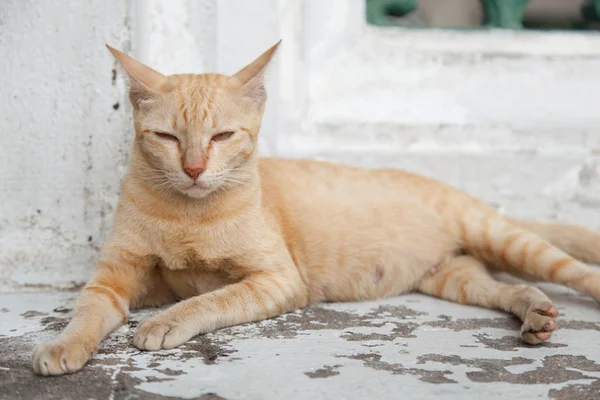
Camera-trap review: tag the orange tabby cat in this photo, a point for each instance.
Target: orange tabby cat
(237, 239)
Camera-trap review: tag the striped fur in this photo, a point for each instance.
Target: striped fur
(252, 238)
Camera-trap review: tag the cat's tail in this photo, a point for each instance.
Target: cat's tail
(518, 249)
(579, 242)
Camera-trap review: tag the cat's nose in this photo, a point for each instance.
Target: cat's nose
(193, 172)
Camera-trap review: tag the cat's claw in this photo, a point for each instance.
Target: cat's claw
(59, 357)
(156, 333)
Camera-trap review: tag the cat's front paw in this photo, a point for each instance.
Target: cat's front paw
(59, 357)
(161, 333)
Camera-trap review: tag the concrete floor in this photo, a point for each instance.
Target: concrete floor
(410, 347)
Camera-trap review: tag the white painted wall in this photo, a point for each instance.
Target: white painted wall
(510, 117)
(63, 145)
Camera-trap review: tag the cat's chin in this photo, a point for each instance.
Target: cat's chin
(198, 192)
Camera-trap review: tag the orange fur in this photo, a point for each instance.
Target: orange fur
(252, 238)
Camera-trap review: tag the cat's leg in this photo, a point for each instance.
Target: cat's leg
(577, 241)
(491, 237)
(466, 280)
(260, 294)
(102, 307)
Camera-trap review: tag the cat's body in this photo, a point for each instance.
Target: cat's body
(201, 219)
(377, 243)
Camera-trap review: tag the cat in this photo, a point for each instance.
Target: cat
(231, 238)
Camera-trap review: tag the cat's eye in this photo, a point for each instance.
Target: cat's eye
(220, 137)
(167, 136)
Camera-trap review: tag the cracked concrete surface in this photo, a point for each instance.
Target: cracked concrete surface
(410, 346)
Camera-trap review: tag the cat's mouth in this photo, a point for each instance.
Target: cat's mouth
(204, 185)
(200, 188)
(200, 184)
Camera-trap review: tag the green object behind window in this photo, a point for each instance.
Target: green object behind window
(500, 13)
(506, 14)
(378, 11)
(591, 10)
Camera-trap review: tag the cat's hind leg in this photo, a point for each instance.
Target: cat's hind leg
(466, 280)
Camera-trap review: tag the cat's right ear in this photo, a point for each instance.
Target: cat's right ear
(144, 82)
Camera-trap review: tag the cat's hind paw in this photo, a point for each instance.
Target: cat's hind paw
(539, 324)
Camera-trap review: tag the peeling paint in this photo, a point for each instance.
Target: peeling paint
(348, 350)
(510, 343)
(325, 372)
(554, 369)
(374, 361)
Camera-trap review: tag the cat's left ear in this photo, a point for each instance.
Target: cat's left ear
(252, 77)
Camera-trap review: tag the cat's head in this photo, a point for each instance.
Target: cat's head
(195, 134)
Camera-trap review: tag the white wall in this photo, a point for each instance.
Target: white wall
(63, 145)
(510, 117)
